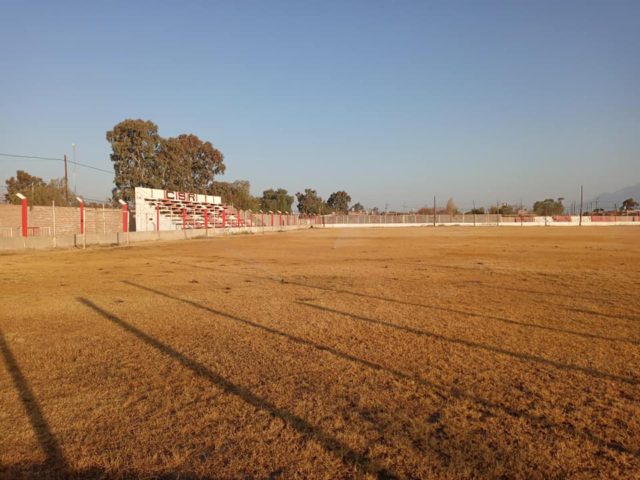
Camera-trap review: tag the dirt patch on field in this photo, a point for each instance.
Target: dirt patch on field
(409, 353)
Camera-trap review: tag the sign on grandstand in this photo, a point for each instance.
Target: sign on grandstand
(170, 210)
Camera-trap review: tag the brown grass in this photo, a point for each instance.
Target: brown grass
(411, 353)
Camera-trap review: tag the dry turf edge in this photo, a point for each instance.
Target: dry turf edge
(409, 353)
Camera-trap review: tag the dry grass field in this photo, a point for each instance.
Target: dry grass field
(353, 353)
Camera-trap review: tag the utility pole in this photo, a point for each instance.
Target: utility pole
(580, 222)
(66, 181)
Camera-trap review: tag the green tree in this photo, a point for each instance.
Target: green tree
(236, 193)
(451, 208)
(549, 206)
(629, 204)
(476, 211)
(37, 190)
(142, 158)
(187, 163)
(135, 145)
(310, 203)
(339, 201)
(504, 209)
(358, 208)
(276, 200)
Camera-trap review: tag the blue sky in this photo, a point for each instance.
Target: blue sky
(392, 101)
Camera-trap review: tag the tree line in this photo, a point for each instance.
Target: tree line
(142, 158)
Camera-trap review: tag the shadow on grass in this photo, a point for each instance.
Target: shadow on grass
(55, 461)
(441, 391)
(434, 307)
(330, 444)
(55, 465)
(480, 346)
(30, 471)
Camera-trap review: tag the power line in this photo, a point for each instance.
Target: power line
(33, 157)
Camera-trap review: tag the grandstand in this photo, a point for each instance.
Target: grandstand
(162, 210)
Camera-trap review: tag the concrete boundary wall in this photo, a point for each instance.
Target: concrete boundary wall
(120, 238)
(128, 238)
(45, 220)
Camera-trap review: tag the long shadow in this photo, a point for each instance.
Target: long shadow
(547, 295)
(54, 457)
(288, 336)
(514, 289)
(440, 390)
(38, 471)
(489, 348)
(433, 307)
(330, 444)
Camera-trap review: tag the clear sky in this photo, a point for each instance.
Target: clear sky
(392, 101)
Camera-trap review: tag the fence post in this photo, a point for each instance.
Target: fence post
(125, 216)
(82, 229)
(81, 215)
(25, 218)
(53, 218)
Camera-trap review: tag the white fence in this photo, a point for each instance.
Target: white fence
(473, 220)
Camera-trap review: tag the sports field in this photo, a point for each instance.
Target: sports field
(409, 353)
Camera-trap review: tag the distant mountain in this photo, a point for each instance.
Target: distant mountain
(620, 195)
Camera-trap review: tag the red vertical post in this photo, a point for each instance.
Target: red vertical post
(206, 219)
(272, 218)
(81, 218)
(25, 218)
(224, 217)
(184, 218)
(125, 218)
(157, 218)
(280, 218)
